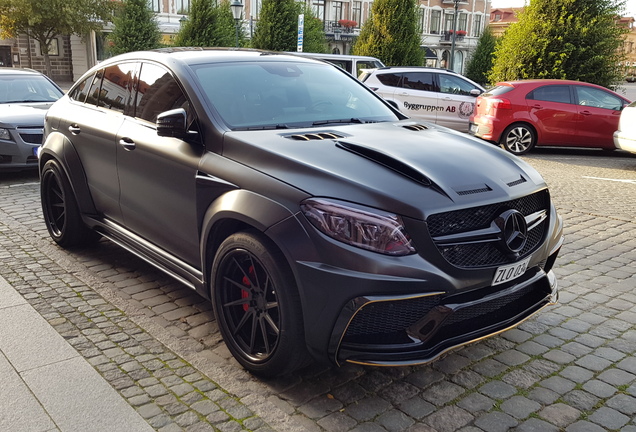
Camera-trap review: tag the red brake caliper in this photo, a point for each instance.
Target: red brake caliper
(247, 283)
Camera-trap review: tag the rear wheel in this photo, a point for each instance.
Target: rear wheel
(257, 305)
(61, 213)
(519, 139)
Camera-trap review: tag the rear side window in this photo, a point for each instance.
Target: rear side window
(93, 92)
(551, 93)
(424, 81)
(390, 79)
(157, 92)
(116, 85)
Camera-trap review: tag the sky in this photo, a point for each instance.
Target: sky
(631, 5)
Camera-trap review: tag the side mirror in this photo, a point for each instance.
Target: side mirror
(475, 92)
(172, 123)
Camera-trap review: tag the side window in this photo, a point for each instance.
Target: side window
(553, 93)
(390, 79)
(81, 90)
(454, 85)
(157, 91)
(93, 93)
(590, 96)
(116, 84)
(424, 81)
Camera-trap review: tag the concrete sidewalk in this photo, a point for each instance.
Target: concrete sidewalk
(46, 384)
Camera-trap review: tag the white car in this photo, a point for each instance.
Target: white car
(436, 95)
(625, 136)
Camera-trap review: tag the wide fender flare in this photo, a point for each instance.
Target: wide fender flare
(58, 147)
(240, 207)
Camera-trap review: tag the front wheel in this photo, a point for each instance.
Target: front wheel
(257, 306)
(61, 213)
(518, 139)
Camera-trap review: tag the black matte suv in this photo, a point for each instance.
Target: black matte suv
(319, 221)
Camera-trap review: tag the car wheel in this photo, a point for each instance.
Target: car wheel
(257, 305)
(61, 213)
(518, 139)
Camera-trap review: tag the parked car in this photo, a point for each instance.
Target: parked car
(25, 95)
(351, 63)
(436, 95)
(625, 136)
(520, 115)
(317, 218)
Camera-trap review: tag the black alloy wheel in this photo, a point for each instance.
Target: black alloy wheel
(257, 306)
(61, 213)
(519, 139)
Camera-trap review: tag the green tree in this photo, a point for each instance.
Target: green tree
(135, 28)
(563, 39)
(391, 33)
(43, 20)
(277, 27)
(210, 23)
(481, 62)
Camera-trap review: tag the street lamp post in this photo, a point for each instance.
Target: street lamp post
(237, 9)
(453, 36)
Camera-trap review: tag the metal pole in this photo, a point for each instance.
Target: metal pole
(236, 26)
(452, 56)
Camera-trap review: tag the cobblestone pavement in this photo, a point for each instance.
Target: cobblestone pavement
(572, 367)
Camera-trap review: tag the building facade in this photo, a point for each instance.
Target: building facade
(440, 21)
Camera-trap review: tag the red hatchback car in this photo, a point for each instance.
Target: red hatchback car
(521, 114)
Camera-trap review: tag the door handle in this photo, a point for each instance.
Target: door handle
(74, 129)
(127, 143)
(586, 113)
(537, 106)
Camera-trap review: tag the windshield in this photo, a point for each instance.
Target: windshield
(263, 95)
(27, 88)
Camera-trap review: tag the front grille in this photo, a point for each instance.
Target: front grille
(473, 255)
(32, 138)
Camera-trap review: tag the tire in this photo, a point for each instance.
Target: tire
(257, 306)
(61, 213)
(519, 139)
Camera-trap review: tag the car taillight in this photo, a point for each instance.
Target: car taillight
(500, 104)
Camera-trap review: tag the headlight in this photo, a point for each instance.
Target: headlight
(4, 134)
(370, 229)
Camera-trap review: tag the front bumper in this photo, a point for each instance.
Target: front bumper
(20, 152)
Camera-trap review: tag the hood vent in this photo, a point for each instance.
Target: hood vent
(315, 136)
(520, 180)
(470, 190)
(415, 127)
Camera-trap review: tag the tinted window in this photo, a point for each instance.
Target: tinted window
(498, 90)
(390, 79)
(420, 81)
(157, 92)
(80, 91)
(551, 93)
(93, 92)
(594, 97)
(454, 85)
(115, 89)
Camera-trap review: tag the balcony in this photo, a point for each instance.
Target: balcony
(334, 30)
(447, 37)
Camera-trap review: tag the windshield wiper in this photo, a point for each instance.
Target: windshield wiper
(338, 121)
(265, 127)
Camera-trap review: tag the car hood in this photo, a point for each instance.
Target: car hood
(16, 115)
(406, 167)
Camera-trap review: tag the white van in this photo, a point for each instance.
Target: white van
(351, 63)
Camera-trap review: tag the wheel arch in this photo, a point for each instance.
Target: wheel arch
(59, 148)
(522, 123)
(235, 211)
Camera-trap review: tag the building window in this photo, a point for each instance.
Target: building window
(477, 25)
(356, 12)
(155, 5)
(183, 7)
(436, 18)
(462, 21)
(448, 20)
(318, 8)
(337, 10)
(421, 17)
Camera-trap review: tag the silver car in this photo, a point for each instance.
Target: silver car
(25, 96)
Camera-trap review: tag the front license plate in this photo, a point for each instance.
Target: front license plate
(510, 272)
